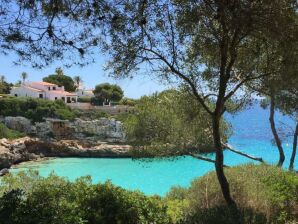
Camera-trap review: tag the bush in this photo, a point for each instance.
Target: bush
(84, 99)
(171, 118)
(128, 102)
(35, 109)
(264, 194)
(33, 199)
(10, 134)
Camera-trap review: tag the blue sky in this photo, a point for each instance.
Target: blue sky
(91, 75)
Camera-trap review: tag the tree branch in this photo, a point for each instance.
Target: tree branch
(196, 156)
(242, 153)
(241, 83)
(185, 78)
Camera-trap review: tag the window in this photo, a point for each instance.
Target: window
(56, 98)
(41, 96)
(68, 100)
(63, 98)
(16, 95)
(49, 88)
(54, 87)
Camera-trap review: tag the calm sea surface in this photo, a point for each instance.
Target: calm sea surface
(252, 134)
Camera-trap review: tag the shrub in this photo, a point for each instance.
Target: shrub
(128, 102)
(84, 99)
(35, 109)
(171, 117)
(29, 198)
(264, 194)
(8, 133)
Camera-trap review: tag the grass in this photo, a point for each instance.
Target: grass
(9, 134)
(264, 194)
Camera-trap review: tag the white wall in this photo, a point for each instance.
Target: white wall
(84, 93)
(24, 91)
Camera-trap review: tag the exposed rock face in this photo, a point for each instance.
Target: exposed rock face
(102, 129)
(25, 149)
(21, 124)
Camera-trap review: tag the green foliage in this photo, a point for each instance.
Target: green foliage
(84, 99)
(171, 119)
(108, 92)
(128, 102)
(5, 87)
(90, 114)
(61, 80)
(35, 109)
(10, 134)
(29, 198)
(264, 194)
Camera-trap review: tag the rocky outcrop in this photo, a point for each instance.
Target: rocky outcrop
(104, 129)
(26, 149)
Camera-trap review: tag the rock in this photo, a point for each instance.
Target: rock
(21, 124)
(107, 129)
(27, 149)
(4, 171)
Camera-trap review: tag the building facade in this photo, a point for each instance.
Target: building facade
(44, 90)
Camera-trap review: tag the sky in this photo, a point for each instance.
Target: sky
(92, 75)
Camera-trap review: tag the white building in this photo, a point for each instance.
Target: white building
(44, 90)
(82, 92)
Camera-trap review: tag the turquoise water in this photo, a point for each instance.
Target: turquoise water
(251, 134)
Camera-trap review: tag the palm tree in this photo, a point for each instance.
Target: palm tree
(2, 79)
(59, 71)
(78, 80)
(24, 76)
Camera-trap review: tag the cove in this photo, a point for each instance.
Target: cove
(252, 135)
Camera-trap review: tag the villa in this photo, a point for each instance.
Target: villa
(44, 90)
(82, 92)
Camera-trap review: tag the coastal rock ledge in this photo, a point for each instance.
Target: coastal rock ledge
(27, 149)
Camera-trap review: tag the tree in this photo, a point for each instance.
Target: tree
(78, 80)
(5, 87)
(205, 43)
(108, 92)
(61, 80)
(24, 76)
(173, 122)
(2, 78)
(59, 71)
(279, 58)
(39, 34)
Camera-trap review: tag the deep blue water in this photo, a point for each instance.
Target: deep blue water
(252, 134)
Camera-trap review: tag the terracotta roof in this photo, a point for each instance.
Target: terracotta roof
(34, 89)
(44, 83)
(63, 92)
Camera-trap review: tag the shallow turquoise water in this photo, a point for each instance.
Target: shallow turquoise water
(251, 134)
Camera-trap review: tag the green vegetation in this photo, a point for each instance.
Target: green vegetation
(84, 99)
(170, 120)
(108, 93)
(35, 109)
(60, 79)
(8, 133)
(128, 102)
(91, 114)
(265, 194)
(36, 200)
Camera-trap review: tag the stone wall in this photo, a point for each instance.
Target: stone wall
(102, 129)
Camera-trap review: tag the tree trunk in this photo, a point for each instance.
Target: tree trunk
(219, 164)
(275, 134)
(291, 167)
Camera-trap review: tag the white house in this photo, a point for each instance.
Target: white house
(44, 90)
(85, 93)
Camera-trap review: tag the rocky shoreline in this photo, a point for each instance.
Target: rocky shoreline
(29, 149)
